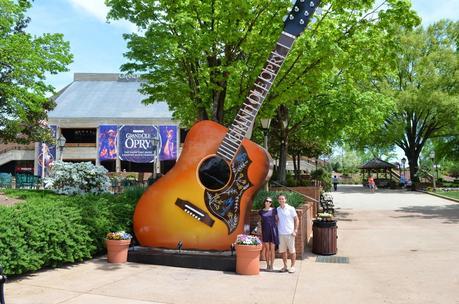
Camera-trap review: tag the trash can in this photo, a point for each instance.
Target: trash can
(324, 237)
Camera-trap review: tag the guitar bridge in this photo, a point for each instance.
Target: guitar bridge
(195, 212)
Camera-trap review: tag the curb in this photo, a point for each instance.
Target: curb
(442, 196)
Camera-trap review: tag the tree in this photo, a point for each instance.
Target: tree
(24, 61)
(202, 57)
(426, 90)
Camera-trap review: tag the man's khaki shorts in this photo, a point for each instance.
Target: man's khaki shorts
(286, 241)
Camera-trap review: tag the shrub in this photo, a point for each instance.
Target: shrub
(78, 178)
(293, 199)
(40, 234)
(323, 177)
(48, 230)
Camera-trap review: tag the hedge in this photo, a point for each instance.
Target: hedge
(293, 199)
(48, 230)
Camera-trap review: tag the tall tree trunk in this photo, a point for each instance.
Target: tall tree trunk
(282, 115)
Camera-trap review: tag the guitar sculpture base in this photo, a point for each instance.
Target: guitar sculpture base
(218, 260)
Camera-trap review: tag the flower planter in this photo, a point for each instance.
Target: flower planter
(117, 250)
(248, 259)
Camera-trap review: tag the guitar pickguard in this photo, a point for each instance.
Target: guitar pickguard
(225, 204)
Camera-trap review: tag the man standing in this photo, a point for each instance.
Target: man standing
(335, 183)
(287, 227)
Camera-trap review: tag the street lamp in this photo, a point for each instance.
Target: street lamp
(432, 157)
(61, 143)
(403, 165)
(265, 122)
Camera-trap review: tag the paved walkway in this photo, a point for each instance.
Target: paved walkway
(403, 247)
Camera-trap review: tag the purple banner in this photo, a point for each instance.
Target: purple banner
(107, 142)
(46, 154)
(139, 144)
(169, 140)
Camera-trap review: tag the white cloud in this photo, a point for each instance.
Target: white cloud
(99, 10)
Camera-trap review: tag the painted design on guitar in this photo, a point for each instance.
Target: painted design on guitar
(225, 204)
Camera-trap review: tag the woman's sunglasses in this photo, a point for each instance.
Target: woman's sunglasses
(269, 201)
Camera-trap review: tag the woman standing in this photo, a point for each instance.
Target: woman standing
(371, 184)
(270, 236)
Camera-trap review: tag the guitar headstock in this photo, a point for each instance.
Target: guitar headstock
(300, 15)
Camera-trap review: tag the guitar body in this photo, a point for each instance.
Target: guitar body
(179, 208)
(203, 202)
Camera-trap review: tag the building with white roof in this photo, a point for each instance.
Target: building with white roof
(93, 100)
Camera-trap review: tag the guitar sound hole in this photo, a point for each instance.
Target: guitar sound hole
(214, 173)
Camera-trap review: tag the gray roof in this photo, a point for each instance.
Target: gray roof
(377, 163)
(105, 96)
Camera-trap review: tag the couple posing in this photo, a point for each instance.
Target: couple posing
(279, 227)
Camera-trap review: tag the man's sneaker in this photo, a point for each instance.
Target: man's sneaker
(291, 270)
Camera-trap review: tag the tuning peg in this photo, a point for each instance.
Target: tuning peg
(306, 13)
(296, 9)
(301, 21)
(311, 4)
(291, 17)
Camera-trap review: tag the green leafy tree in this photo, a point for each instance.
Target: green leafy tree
(202, 57)
(426, 90)
(24, 61)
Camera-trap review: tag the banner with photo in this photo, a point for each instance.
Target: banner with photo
(139, 144)
(169, 139)
(106, 149)
(46, 154)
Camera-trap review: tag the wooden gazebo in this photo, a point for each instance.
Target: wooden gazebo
(382, 171)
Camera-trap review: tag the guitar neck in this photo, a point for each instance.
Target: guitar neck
(252, 104)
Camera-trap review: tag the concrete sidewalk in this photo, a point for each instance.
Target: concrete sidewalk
(403, 247)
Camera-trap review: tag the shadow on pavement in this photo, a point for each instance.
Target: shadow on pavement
(450, 213)
(343, 215)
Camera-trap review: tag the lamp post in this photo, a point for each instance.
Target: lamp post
(432, 157)
(403, 165)
(44, 157)
(265, 122)
(282, 168)
(61, 143)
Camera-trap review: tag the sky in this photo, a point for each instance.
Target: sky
(98, 47)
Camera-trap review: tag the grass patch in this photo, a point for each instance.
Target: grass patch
(452, 194)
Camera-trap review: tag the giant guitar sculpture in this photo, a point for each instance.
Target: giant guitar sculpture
(202, 203)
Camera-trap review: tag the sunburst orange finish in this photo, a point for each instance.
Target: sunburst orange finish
(158, 222)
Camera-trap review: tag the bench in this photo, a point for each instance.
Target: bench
(28, 181)
(5, 180)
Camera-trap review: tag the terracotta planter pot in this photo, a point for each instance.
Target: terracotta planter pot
(248, 259)
(117, 250)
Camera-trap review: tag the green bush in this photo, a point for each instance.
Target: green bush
(40, 234)
(293, 199)
(48, 230)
